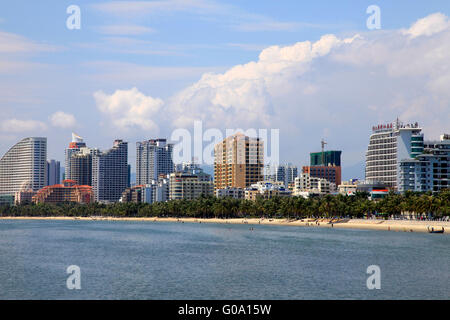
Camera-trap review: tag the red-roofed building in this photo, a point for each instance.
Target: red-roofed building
(69, 191)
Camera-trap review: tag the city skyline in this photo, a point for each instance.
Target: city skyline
(77, 147)
(282, 68)
(222, 156)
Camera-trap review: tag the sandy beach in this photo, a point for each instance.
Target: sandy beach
(383, 225)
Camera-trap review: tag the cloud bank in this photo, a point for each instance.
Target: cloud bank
(21, 126)
(334, 88)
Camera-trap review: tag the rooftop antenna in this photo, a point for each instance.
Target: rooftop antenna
(323, 149)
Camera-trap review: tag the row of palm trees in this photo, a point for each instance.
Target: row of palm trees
(427, 205)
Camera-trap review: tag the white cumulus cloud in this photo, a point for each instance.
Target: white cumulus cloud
(63, 120)
(244, 94)
(429, 25)
(128, 109)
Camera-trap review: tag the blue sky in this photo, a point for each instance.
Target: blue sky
(54, 80)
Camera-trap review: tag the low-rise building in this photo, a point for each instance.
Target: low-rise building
(331, 173)
(190, 185)
(69, 191)
(6, 199)
(25, 196)
(348, 187)
(229, 192)
(266, 190)
(157, 191)
(306, 185)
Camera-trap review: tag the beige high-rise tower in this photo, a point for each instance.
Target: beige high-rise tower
(238, 162)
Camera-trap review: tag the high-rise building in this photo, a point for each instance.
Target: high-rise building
(153, 158)
(110, 172)
(129, 176)
(81, 166)
(325, 165)
(238, 162)
(325, 158)
(389, 145)
(53, 173)
(429, 171)
(24, 166)
(286, 174)
(74, 147)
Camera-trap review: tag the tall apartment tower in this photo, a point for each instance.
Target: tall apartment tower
(390, 144)
(286, 174)
(53, 173)
(325, 158)
(81, 166)
(238, 162)
(74, 146)
(325, 165)
(110, 172)
(24, 166)
(153, 158)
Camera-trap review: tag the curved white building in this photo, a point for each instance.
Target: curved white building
(24, 166)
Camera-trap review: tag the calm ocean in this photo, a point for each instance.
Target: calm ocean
(155, 260)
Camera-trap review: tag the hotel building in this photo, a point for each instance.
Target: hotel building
(24, 166)
(429, 171)
(389, 145)
(69, 191)
(238, 162)
(110, 172)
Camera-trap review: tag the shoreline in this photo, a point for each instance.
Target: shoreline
(362, 224)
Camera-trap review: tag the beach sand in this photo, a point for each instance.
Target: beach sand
(385, 225)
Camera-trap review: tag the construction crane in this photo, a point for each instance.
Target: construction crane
(323, 151)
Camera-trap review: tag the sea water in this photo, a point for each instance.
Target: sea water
(157, 260)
